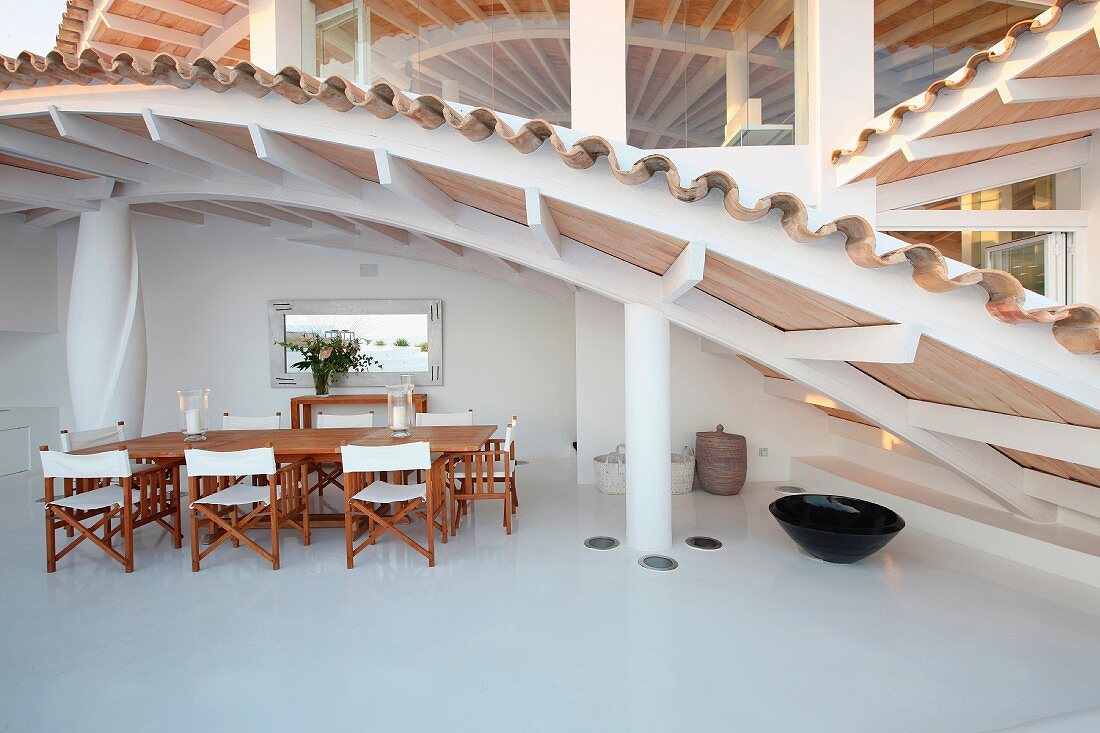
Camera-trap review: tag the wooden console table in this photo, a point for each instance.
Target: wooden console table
(301, 408)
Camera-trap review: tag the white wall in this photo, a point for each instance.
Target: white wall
(707, 389)
(28, 277)
(506, 350)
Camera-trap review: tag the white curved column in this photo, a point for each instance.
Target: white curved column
(105, 339)
(648, 430)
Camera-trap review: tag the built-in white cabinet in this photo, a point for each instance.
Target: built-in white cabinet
(22, 431)
(14, 450)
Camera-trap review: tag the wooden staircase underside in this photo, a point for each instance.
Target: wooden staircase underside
(940, 373)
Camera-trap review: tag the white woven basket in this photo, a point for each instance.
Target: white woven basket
(611, 471)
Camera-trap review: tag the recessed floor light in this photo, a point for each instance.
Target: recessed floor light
(703, 543)
(601, 543)
(790, 490)
(657, 562)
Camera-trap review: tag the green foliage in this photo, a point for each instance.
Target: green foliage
(401, 342)
(328, 356)
(380, 342)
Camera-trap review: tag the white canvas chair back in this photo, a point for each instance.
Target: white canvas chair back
(251, 462)
(109, 464)
(371, 459)
(424, 419)
(509, 434)
(242, 422)
(81, 439)
(364, 420)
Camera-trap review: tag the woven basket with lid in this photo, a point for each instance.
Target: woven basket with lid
(721, 460)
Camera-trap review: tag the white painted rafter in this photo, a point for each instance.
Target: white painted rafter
(277, 150)
(36, 189)
(100, 135)
(1052, 439)
(886, 344)
(541, 221)
(167, 211)
(1000, 135)
(984, 174)
(399, 178)
(934, 220)
(219, 42)
(192, 141)
(685, 272)
(50, 150)
(187, 10)
(1049, 88)
(134, 27)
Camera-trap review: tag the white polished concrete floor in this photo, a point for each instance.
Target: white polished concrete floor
(536, 633)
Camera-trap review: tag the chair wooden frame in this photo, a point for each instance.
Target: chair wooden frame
(432, 508)
(156, 502)
(473, 477)
(286, 507)
(332, 477)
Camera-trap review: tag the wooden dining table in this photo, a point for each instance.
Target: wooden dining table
(321, 445)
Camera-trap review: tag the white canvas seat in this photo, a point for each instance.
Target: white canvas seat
(238, 495)
(101, 498)
(212, 477)
(361, 493)
(100, 487)
(74, 440)
(383, 492)
(427, 419)
(244, 422)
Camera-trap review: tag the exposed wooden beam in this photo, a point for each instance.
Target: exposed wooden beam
(472, 9)
(548, 5)
(1049, 88)
(510, 7)
(990, 23)
(1001, 135)
(889, 344)
(268, 212)
(50, 150)
(217, 43)
(941, 13)
(1054, 440)
(456, 249)
(100, 135)
(403, 180)
(188, 11)
(326, 219)
(122, 24)
(712, 18)
(541, 222)
(685, 272)
(192, 141)
(293, 158)
(390, 14)
(166, 211)
(433, 11)
(226, 212)
(670, 14)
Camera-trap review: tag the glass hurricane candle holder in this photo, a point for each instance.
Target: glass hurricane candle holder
(194, 408)
(399, 404)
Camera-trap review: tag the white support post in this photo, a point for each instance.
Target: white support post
(597, 68)
(840, 61)
(648, 429)
(276, 33)
(105, 338)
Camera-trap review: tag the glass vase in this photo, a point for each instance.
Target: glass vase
(399, 409)
(194, 409)
(321, 382)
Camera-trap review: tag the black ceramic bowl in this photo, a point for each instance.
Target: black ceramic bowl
(836, 528)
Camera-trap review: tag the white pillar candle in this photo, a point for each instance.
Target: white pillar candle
(191, 423)
(400, 419)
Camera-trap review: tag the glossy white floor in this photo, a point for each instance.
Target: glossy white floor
(536, 633)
